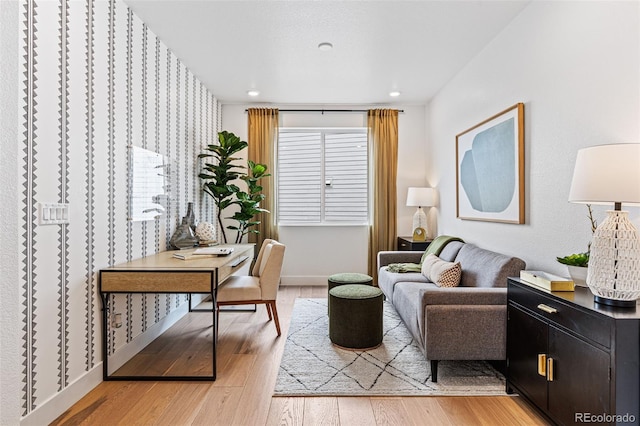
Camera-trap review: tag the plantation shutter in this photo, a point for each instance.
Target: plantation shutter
(345, 177)
(299, 177)
(322, 176)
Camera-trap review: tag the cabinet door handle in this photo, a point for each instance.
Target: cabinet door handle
(547, 309)
(542, 365)
(550, 369)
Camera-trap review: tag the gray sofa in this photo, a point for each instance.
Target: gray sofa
(467, 322)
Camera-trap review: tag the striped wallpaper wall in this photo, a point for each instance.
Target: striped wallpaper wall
(94, 81)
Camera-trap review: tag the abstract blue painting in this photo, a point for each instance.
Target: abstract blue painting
(490, 162)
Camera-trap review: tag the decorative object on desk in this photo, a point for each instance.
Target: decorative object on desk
(203, 252)
(183, 237)
(547, 281)
(604, 174)
(206, 231)
(420, 197)
(578, 263)
(190, 217)
(219, 178)
(490, 169)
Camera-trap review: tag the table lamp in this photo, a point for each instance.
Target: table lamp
(606, 174)
(420, 197)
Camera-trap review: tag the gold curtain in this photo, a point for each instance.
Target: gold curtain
(383, 155)
(263, 136)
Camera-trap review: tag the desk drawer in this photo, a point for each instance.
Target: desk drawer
(156, 282)
(593, 327)
(226, 271)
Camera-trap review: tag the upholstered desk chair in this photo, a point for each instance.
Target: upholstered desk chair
(259, 288)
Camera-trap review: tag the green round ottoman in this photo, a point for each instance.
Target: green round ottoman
(355, 316)
(348, 278)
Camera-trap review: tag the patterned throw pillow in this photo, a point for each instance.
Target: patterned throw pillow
(440, 272)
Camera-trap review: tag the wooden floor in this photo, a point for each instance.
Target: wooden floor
(248, 359)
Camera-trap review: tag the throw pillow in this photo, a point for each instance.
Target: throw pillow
(440, 272)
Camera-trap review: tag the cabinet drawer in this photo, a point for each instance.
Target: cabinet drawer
(593, 327)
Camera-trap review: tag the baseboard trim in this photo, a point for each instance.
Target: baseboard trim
(304, 280)
(51, 409)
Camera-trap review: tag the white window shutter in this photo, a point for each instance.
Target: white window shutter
(322, 176)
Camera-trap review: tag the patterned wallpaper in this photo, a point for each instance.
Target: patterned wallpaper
(94, 81)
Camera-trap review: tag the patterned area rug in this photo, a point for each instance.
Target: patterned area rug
(312, 365)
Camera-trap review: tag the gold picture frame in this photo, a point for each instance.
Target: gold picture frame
(490, 169)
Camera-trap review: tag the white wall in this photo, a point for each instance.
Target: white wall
(576, 67)
(9, 217)
(315, 252)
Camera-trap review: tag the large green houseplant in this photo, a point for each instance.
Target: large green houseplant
(219, 177)
(249, 202)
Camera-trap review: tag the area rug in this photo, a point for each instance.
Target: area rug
(312, 366)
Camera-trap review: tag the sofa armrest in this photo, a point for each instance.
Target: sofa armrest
(388, 257)
(464, 296)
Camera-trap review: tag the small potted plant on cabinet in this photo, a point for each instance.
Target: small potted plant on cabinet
(578, 263)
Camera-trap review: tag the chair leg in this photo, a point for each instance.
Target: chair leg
(434, 371)
(275, 315)
(268, 306)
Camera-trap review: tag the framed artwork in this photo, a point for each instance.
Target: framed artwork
(490, 169)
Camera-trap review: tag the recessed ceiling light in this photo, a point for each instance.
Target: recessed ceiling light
(253, 92)
(394, 94)
(325, 46)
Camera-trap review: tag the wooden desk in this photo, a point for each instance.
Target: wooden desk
(163, 273)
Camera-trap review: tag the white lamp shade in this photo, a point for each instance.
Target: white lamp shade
(421, 197)
(605, 174)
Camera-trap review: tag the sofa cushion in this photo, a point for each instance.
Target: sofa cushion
(407, 302)
(438, 244)
(440, 272)
(388, 280)
(484, 268)
(450, 251)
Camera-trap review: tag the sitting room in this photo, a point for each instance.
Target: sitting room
(320, 212)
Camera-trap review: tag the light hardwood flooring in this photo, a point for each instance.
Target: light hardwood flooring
(248, 359)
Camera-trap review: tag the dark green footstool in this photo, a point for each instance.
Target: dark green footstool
(349, 278)
(355, 316)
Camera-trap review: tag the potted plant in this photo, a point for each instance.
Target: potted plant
(249, 202)
(578, 263)
(219, 184)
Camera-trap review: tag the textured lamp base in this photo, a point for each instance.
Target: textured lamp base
(614, 264)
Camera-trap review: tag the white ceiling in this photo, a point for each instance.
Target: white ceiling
(414, 47)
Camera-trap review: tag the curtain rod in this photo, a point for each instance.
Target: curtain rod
(324, 110)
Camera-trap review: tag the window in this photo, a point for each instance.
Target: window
(322, 176)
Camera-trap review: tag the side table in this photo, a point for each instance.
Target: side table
(407, 244)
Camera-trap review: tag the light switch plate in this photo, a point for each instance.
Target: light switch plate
(53, 213)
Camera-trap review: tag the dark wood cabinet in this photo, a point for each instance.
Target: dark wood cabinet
(573, 359)
(407, 244)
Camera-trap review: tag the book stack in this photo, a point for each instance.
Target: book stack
(203, 252)
(547, 281)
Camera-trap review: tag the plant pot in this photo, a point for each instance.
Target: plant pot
(578, 274)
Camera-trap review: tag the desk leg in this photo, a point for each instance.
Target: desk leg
(214, 311)
(105, 352)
